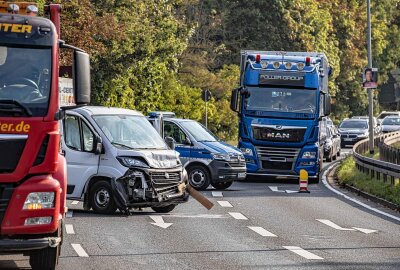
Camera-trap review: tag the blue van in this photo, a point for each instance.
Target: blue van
(206, 159)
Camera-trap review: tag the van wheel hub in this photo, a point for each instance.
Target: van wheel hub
(102, 197)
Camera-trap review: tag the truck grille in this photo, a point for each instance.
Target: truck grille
(165, 181)
(11, 147)
(277, 159)
(6, 191)
(278, 134)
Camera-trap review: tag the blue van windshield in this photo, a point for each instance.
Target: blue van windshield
(198, 131)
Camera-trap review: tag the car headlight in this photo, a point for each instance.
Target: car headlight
(132, 162)
(219, 156)
(39, 200)
(309, 154)
(247, 151)
(364, 135)
(185, 176)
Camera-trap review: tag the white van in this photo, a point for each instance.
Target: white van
(116, 159)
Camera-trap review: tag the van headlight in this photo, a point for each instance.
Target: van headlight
(132, 162)
(39, 200)
(309, 154)
(218, 156)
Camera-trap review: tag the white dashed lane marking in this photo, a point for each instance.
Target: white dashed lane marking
(225, 204)
(217, 194)
(74, 202)
(79, 250)
(333, 225)
(303, 253)
(69, 228)
(261, 231)
(237, 215)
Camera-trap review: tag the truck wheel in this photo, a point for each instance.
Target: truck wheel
(101, 198)
(164, 209)
(47, 258)
(199, 177)
(222, 185)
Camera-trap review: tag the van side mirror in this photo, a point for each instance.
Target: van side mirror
(235, 100)
(98, 145)
(327, 105)
(81, 77)
(170, 142)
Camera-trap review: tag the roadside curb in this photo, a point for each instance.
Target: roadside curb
(335, 190)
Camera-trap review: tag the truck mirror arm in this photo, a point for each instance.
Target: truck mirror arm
(62, 44)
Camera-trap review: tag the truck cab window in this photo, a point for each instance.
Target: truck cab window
(172, 130)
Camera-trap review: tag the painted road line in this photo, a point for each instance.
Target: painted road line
(261, 231)
(69, 228)
(79, 250)
(225, 204)
(325, 181)
(275, 189)
(217, 194)
(303, 253)
(237, 215)
(69, 214)
(195, 216)
(333, 225)
(159, 221)
(74, 202)
(292, 191)
(366, 231)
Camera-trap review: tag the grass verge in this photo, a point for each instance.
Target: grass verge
(347, 173)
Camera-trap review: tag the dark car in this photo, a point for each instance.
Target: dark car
(330, 142)
(353, 130)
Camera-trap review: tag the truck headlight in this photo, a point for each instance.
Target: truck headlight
(132, 162)
(39, 200)
(38, 221)
(247, 151)
(309, 154)
(218, 156)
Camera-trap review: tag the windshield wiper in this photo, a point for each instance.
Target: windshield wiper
(122, 145)
(12, 106)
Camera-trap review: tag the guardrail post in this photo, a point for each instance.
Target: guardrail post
(378, 175)
(384, 178)
(392, 180)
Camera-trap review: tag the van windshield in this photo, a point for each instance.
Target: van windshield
(199, 132)
(129, 132)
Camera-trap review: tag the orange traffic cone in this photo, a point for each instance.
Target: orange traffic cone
(303, 182)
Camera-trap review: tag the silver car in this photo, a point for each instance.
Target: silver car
(390, 124)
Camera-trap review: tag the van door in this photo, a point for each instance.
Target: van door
(78, 147)
(182, 143)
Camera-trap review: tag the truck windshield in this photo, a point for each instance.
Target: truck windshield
(199, 132)
(130, 132)
(25, 77)
(281, 100)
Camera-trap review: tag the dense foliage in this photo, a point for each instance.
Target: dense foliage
(160, 54)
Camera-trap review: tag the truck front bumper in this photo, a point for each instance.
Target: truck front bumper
(21, 245)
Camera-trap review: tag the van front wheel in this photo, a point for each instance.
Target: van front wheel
(101, 198)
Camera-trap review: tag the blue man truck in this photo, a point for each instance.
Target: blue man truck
(281, 100)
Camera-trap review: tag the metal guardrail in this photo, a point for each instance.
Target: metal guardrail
(388, 164)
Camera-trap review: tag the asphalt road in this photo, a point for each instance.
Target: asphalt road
(254, 225)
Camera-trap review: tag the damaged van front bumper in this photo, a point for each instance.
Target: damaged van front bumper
(147, 187)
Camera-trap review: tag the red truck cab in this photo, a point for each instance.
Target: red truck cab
(32, 171)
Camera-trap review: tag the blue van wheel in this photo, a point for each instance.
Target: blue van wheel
(199, 177)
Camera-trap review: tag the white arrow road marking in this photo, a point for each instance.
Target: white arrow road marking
(261, 231)
(159, 221)
(225, 204)
(303, 253)
(69, 214)
(79, 250)
(292, 191)
(74, 202)
(69, 228)
(333, 225)
(366, 231)
(217, 194)
(275, 189)
(237, 215)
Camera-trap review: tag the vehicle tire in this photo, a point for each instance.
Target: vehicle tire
(101, 198)
(314, 180)
(222, 185)
(338, 153)
(334, 157)
(329, 159)
(199, 177)
(47, 258)
(164, 209)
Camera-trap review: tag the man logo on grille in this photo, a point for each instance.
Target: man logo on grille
(279, 127)
(167, 175)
